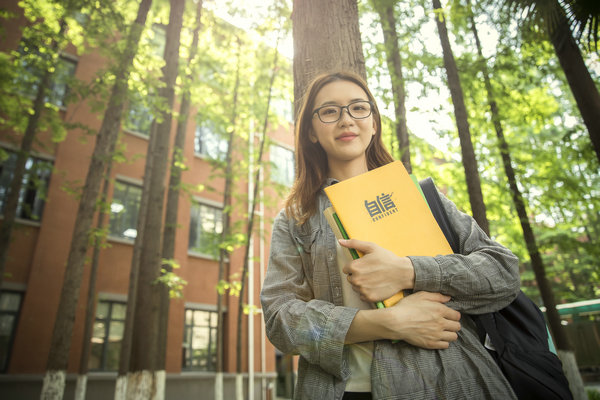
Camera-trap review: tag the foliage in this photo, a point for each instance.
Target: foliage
(552, 155)
(555, 164)
(593, 394)
(233, 286)
(170, 279)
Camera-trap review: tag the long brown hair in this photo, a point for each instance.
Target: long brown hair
(311, 159)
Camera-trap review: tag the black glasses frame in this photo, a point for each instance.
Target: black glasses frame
(316, 111)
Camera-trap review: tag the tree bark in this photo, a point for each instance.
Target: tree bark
(578, 76)
(462, 124)
(385, 9)
(223, 252)
(326, 38)
(145, 355)
(53, 387)
(172, 207)
(250, 226)
(560, 337)
(126, 343)
(80, 390)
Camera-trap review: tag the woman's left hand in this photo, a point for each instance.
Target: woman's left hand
(379, 273)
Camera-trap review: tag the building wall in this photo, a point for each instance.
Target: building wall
(38, 254)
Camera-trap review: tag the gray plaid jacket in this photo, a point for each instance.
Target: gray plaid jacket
(304, 314)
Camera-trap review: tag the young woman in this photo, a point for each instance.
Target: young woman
(317, 304)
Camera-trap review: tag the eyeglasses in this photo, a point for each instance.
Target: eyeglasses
(332, 113)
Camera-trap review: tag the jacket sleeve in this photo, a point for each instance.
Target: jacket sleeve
(296, 323)
(483, 278)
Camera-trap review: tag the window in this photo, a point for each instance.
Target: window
(206, 226)
(32, 63)
(60, 87)
(10, 304)
(283, 108)
(208, 142)
(139, 117)
(200, 340)
(282, 165)
(124, 210)
(33, 187)
(107, 335)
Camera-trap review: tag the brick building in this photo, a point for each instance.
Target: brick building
(42, 235)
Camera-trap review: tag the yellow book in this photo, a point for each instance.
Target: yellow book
(385, 206)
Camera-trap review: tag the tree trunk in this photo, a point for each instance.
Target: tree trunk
(148, 375)
(250, 226)
(223, 252)
(385, 9)
(462, 124)
(54, 381)
(578, 76)
(326, 38)
(172, 207)
(11, 202)
(80, 389)
(539, 269)
(126, 344)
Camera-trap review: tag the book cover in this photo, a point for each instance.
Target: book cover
(386, 207)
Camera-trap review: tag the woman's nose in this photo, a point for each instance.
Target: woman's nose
(345, 116)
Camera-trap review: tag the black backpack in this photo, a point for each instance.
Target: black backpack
(517, 332)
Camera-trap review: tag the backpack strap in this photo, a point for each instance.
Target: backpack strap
(487, 325)
(439, 212)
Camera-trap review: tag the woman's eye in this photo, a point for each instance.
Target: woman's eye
(360, 106)
(329, 111)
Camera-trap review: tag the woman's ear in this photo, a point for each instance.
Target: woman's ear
(374, 127)
(312, 137)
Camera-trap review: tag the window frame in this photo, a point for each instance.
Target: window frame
(211, 356)
(11, 338)
(218, 145)
(145, 112)
(108, 321)
(33, 75)
(196, 201)
(275, 171)
(25, 192)
(130, 183)
(72, 60)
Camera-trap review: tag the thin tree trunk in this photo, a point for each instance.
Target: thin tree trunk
(223, 252)
(385, 9)
(578, 76)
(462, 124)
(250, 226)
(532, 247)
(126, 344)
(326, 38)
(53, 387)
(539, 269)
(172, 207)
(148, 376)
(80, 388)
(11, 202)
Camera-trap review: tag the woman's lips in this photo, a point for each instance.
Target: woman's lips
(346, 137)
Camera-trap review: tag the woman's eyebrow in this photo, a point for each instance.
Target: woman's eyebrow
(331, 102)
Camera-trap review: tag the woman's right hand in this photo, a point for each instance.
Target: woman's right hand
(422, 319)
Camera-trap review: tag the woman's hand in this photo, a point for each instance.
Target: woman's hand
(378, 274)
(421, 319)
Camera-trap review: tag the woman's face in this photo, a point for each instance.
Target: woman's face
(345, 140)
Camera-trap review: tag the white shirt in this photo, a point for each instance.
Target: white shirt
(361, 354)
